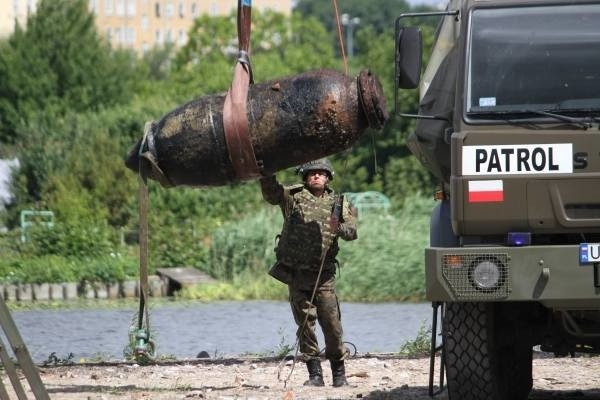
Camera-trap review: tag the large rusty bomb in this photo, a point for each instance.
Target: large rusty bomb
(291, 120)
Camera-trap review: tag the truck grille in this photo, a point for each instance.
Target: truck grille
(458, 271)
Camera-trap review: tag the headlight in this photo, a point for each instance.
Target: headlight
(486, 275)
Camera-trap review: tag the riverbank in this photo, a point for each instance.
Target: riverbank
(182, 329)
(375, 376)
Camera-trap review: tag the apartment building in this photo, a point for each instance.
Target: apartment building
(141, 24)
(14, 10)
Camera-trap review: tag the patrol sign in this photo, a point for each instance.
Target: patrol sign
(556, 158)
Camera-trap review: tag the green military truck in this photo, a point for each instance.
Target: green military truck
(509, 122)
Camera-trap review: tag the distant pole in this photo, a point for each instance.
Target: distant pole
(350, 23)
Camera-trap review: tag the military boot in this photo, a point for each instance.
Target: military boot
(315, 373)
(338, 370)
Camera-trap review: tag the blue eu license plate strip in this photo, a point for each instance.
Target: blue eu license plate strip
(589, 253)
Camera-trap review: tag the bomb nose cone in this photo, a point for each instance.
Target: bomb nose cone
(372, 99)
(132, 160)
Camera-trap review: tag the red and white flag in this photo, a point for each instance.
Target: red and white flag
(486, 191)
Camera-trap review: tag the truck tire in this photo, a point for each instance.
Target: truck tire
(478, 366)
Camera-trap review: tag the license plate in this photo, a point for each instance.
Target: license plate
(589, 253)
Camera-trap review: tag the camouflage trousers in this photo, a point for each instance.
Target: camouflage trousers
(325, 309)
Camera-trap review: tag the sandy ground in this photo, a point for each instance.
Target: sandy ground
(370, 377)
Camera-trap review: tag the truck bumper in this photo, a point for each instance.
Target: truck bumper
(551, 275)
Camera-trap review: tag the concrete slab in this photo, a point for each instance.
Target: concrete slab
(180, 277)
(41, 291)
(185, 276)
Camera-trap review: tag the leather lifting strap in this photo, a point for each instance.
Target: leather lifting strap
(235, 119)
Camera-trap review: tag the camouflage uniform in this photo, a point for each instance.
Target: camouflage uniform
(306, 234)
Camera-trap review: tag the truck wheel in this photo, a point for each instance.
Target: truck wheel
(478, 366)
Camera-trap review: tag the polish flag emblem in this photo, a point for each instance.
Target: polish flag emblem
(486, 191)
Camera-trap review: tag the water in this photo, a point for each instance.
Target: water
(183, 329)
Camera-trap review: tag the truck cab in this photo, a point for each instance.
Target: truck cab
(509, 123)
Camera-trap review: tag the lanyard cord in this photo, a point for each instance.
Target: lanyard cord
(301, 330)
(340, 38)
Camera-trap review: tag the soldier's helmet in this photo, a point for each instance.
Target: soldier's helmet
(320, 164)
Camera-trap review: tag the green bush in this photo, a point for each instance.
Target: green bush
(111, 268)
(420, 346)
(406, 176)
(245, 246)
(56, 269)
(384, 264)
(9, 244)
(50, 269)
(75, 241)
(244, 287)
(182, 222)
(64, 254)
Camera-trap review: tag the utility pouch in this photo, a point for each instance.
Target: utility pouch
(283, 273)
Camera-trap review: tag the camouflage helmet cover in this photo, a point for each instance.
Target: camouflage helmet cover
(320, 164)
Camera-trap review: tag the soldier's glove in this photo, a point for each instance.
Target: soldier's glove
(341, 231)
(346, 231)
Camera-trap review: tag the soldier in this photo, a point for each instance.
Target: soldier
(308, 245)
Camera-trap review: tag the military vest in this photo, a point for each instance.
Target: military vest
(306, 230)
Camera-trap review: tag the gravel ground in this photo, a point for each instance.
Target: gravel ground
(370, 377)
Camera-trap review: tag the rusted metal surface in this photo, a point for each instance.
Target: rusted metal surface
(291, 120)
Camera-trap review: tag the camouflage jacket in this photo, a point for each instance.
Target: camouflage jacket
(306, 229)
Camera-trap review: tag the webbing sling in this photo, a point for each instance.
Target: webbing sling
(235, 119)
(144, 350)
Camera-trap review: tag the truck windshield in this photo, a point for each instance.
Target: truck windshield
(533, 58)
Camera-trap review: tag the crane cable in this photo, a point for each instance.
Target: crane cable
(341, 43)
(340, 36)
(303, 327)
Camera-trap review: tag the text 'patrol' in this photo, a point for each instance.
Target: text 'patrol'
(556, 158)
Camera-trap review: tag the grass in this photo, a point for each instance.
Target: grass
(385, 263)
(243, 287)
(54, 360)
(420, 345)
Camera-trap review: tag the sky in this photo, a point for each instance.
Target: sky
(434, 3)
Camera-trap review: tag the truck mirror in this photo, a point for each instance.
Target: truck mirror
(409, 49)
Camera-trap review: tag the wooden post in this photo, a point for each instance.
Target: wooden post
(25, 362)
(11, 371)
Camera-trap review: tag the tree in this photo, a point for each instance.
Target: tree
(377, 14)
(280, 45)
(381, 160)
(58, 63)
